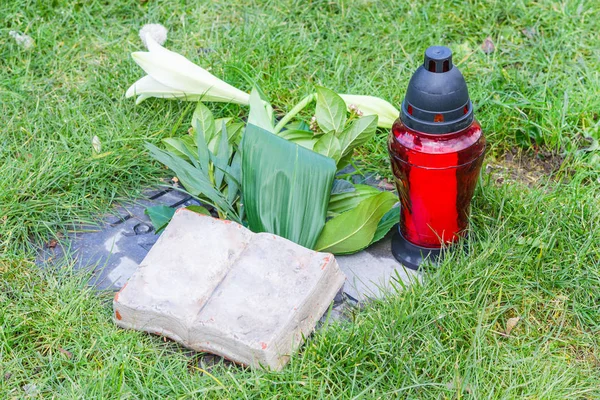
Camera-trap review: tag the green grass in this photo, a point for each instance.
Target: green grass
(437, 340)
(534, 252)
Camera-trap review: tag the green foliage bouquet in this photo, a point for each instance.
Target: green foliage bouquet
(272, 176)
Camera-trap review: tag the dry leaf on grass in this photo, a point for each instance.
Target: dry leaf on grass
(66, 352)
(510, 324)
(488, 46)
(529, 32)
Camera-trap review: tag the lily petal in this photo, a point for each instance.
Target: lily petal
(371, 105)
(147, 84)
(141, 98)
(185, 66)
(182, 76)
(149, 87)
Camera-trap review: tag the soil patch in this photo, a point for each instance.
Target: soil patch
(530, 169)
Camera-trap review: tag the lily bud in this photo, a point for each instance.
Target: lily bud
(172, 76)
(371, 105)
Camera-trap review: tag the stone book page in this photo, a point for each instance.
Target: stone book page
(194, 254)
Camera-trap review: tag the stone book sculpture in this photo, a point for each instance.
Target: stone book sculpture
(215, 286)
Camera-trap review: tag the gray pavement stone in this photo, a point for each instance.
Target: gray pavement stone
(215, 286)
(373, 272)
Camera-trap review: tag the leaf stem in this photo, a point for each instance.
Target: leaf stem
(293, 112)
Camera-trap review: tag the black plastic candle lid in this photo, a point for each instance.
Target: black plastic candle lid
(437, 100)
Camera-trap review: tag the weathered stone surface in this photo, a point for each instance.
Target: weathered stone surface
(114, 248)
(215, 286)
(374, 271)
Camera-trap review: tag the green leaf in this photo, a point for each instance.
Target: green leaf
(203, 151)
(390, 219)
(285, 186)
(220, 121)
(261, 112)
(354, 230)
(303, 138)
(215, 142)
(160, 216)
(358, 133)
(194, 182)
(223, 156)
(227, 169)
(199, 210)
(329, 146)
(182, 149)
(344, 161)
(296, 126)
(204, 126)
(342, 186)
(203, 118)
(234, 177)
(234, 131)
(342, 202)
(330, 110)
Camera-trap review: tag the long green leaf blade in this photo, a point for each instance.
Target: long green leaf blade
(234, 177)
(286, 187)
(342, 202)
(358, 133)
(193, 181)
(223, 155)
(303, 138)
(354, 230)
(390, 219)
(200, 127)
(261, 112)
(234, 131)
(178, 147)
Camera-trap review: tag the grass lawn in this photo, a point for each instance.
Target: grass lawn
(534, 251)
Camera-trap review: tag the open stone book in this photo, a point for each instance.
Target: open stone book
(215, 286)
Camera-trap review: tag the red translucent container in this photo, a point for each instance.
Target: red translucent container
(436, 175)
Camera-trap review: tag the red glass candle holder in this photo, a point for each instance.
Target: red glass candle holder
(436, 150)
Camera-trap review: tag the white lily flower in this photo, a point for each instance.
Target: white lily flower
(172, 76)
(371, 105)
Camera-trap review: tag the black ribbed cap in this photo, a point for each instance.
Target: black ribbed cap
(437, 100)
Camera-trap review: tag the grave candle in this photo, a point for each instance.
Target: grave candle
(436, 150)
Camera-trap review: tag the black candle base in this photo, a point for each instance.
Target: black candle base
(411, 255)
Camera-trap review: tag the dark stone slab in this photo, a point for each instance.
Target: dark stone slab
(113, 249)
